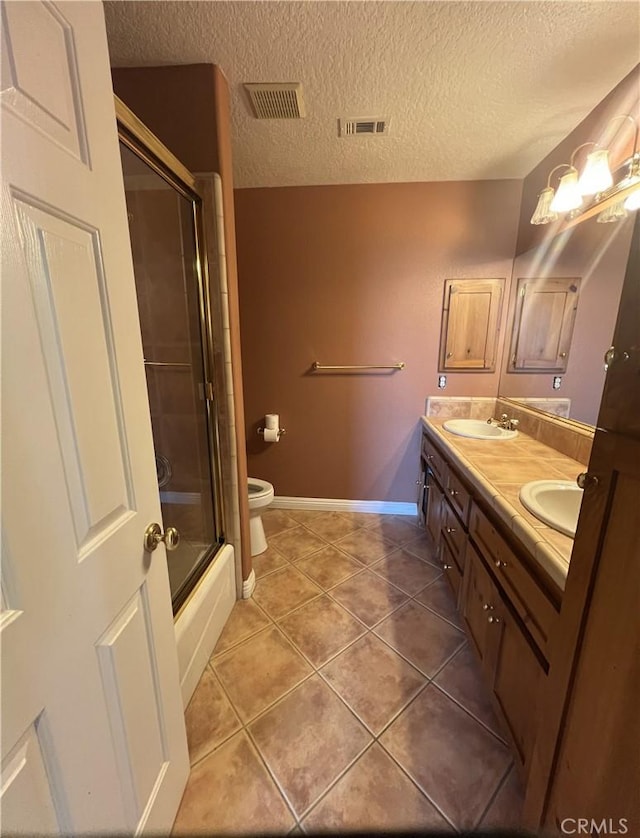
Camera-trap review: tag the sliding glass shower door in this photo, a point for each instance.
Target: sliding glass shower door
(163, 231)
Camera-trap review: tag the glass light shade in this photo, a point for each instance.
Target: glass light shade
(633, 201)
(568, 196)
(596, 176)
(543, 213)
(613, 213)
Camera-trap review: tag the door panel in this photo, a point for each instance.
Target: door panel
(93, 729)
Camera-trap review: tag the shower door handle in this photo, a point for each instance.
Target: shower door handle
(153, 535)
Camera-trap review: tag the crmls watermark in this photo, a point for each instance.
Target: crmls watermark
(591, 826)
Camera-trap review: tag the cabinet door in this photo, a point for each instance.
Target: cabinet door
(434, 508)
(470, 324)
(598, 755)
(480, 599)
(450, 568)
(543, 323)
(516, 677)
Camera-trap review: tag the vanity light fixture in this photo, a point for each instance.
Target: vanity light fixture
(592, 184)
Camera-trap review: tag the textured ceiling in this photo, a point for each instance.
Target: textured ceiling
(473, 89)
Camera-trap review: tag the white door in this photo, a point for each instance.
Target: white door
(93, 733)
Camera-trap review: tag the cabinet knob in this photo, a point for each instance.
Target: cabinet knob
(446, 567)
(499, 563)
(492, 619)
(450, 530)
(453, 493)
(487, 607)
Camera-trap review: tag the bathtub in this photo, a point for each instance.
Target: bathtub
(201, 619)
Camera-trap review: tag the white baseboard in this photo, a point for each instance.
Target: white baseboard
(383, 507)
(249, 585)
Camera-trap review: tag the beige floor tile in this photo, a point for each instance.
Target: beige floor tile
(375, 795)
(439, 597)
(282, 591)
(259, 671)
(268, 561)
(306, 516)
(209, 718)
(297, 543)
(406, 571)
(321, 629)
(329, 566)
(364, 519)
(462, 679)
(307, 740)
(398, 529)
(332, 525)
(455, 760)
(374, 681)
(365, 545)
(245, 620)
(368, 596)
(422, 548)
(277, 520)
(231, 791)
(420, 636)
(505, 812)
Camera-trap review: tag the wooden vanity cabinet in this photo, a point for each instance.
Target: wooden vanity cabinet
(510, 664)
(508, 612)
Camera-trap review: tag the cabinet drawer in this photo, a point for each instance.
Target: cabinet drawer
(450, 567)
(454, 534)
(458, 496)
(434, 460)
(527, 597)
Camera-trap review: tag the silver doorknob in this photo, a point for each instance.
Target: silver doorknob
(153, 535)
(585, 480)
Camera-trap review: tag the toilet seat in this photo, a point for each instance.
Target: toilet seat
(259, 489)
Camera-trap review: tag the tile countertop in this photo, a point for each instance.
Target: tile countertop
(497, 470)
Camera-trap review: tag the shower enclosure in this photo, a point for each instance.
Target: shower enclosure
(165, 226)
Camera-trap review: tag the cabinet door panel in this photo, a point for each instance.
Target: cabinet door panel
(543, 324)
(434, 508)
(515, 681)
(450, 569)
(480, 600)
(470, 324)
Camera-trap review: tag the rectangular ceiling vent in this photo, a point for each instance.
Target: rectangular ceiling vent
(376, 126)
(276, 101)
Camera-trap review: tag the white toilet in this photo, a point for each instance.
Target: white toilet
(260, 496)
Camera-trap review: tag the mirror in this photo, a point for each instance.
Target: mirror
(591, 257)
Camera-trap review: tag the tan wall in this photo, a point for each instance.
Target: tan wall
(355, 274)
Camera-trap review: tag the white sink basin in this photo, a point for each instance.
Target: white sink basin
(477, 429)
(554, 502)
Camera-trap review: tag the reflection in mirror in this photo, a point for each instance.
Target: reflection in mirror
(596, 254)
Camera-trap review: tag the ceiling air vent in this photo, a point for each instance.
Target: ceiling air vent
(276, 101)
(376, 126)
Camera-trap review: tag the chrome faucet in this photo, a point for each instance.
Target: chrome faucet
(504, 422)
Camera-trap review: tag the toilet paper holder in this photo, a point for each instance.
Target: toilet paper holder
(281, 431)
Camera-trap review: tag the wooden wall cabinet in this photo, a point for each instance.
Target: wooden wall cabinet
(470, 324)
(545, 313)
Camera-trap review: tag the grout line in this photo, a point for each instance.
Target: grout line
(342, 773)
(276, 782)
(493, 796)
(470, 713)
(419, 787)
(319, 800)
